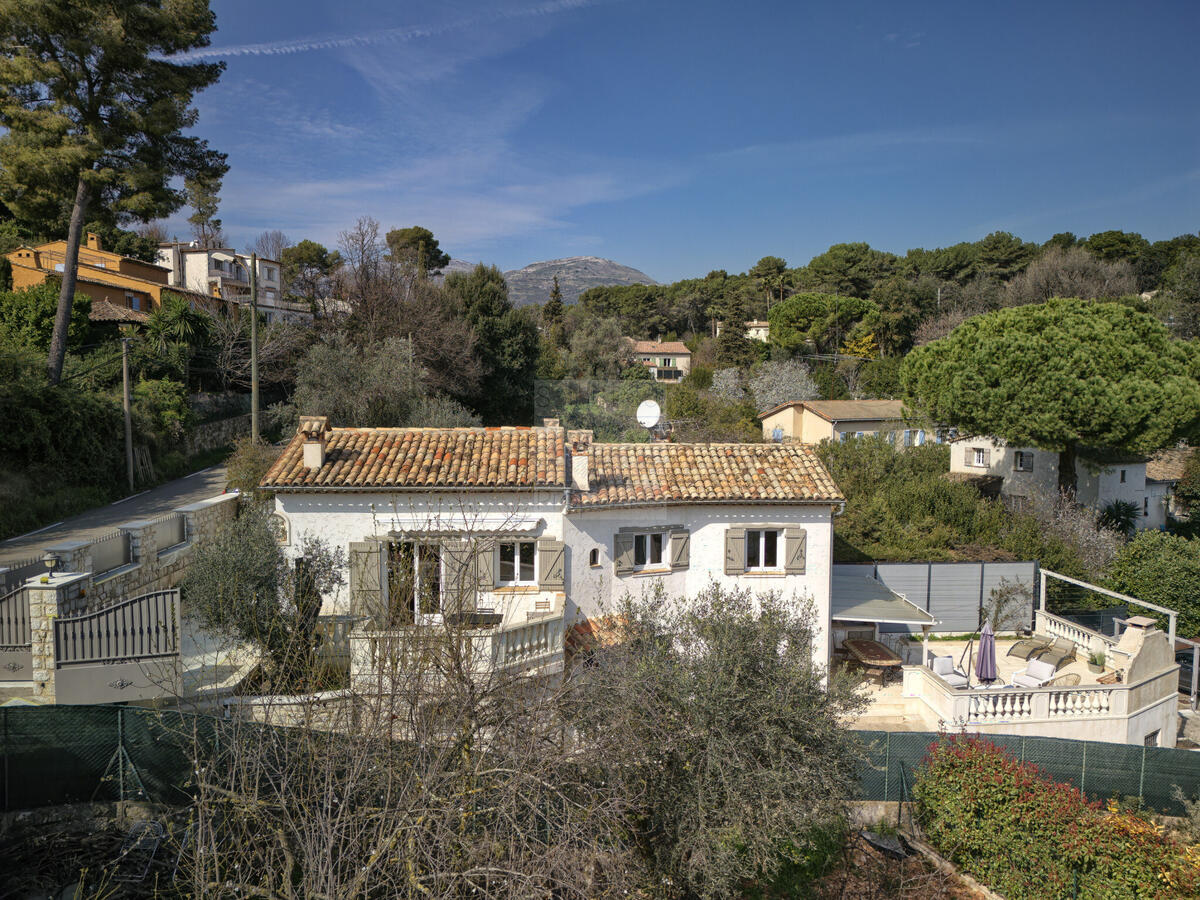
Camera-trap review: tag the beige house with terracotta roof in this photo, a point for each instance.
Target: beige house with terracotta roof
(524, 530)
(667, 360)
(813, 421)
(122, 289)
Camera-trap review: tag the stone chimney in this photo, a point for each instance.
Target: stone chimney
(551, 423)
(93, 242)
(316, 434)
(580, 443)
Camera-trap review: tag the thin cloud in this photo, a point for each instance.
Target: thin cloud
(382, 36)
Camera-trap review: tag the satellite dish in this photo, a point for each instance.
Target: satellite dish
(648, 414)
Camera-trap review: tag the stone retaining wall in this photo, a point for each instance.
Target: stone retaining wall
(221, 433)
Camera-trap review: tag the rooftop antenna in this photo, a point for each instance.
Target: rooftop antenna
(649, 416)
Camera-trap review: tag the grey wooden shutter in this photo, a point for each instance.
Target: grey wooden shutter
(459, 589)
(366, 582)
(485, 565)
(795, 550)
(735, 551)
(680, 549)
(623, 552)
(552, 565)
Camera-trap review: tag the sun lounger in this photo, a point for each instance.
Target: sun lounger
(943, 667)
(1061, 652)
(1035, 674)
(1029, 647)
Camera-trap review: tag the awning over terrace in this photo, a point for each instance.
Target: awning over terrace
(858, 598)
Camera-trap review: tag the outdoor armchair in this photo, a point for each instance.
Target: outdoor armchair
(1061, 652)
(1029, 647)
(944, 668)
(1035, 674)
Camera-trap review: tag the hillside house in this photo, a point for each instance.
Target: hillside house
(667, 360)
(521, 533)
(1103, 477)
(758, 330)
(813, 421)
(123, 289)
(225, 273)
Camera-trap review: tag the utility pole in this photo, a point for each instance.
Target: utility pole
(128, 412)
(254, 347)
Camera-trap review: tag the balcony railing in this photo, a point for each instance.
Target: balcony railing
(533, 646)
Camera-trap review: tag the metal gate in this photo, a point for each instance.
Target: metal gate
(16, 653)
(127, 651)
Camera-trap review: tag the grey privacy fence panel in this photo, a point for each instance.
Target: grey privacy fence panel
(169, 530)
(110, 552)
(951, 592)
(17, 573)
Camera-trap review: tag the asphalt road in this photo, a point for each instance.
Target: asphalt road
(96, 522)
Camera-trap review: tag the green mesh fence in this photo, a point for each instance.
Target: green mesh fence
(71, 754)
(1100, 770)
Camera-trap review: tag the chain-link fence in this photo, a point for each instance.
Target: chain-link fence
(73, 754)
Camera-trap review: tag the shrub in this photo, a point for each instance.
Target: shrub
(1026, 836)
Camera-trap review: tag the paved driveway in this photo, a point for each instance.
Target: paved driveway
(96, 522)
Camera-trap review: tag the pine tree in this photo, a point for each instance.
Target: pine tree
(95, 112)
(552, 312)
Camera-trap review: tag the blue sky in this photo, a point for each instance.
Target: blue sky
(680, 137)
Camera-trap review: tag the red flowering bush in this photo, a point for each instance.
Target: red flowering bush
(1025, 836)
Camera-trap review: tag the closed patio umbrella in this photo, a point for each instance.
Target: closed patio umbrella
(985, 664)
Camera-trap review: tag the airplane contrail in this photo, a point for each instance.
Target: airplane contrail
(383, 36)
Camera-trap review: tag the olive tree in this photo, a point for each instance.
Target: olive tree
(711, 719)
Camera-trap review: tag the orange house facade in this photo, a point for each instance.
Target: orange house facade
(109, 279)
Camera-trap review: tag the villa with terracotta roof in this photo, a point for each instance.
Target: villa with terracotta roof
(666, 360)
(529, 531)
(123, 289)
(813, 421)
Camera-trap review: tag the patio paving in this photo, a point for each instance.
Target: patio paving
(889, 711)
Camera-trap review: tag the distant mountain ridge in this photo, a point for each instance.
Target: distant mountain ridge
(576, 274)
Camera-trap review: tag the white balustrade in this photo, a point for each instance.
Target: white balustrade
(995, 705)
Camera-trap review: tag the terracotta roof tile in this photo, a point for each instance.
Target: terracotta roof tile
(427, 457)
(640, 474)
(660, 347)
(1167, 465)
(104, 311)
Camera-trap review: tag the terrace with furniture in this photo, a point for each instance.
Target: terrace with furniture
(1051, 684)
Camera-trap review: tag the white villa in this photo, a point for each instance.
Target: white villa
(1026, 472)
(531, 531)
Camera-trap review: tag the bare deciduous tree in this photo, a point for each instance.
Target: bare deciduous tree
(1070, 273)
(270, 245)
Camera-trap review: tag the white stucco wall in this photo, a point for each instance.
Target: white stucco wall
(592, 591)
(342, 518)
